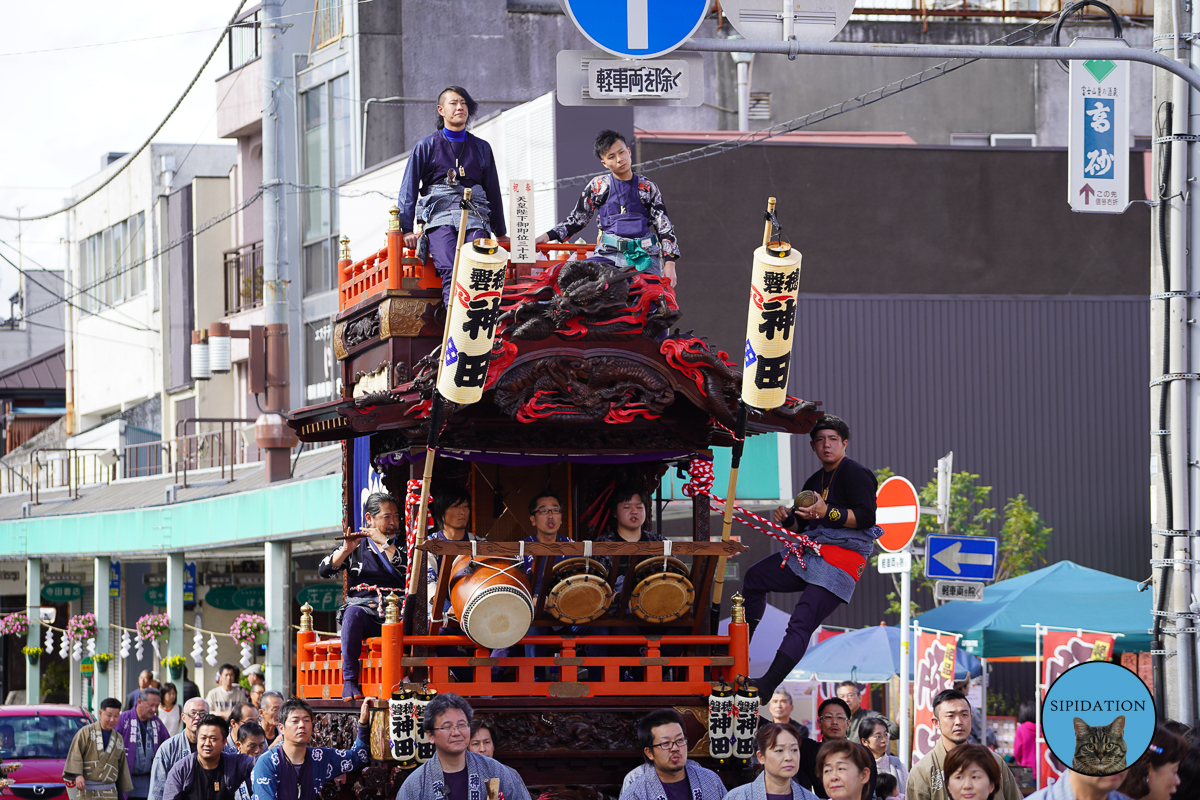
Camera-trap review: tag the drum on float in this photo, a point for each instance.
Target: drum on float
(663, 592)
(491, 599)
(581, 591)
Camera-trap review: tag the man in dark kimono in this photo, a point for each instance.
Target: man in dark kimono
(295, 771)
(375, 556)
(842, 524)
(210, 774)
(440, 167)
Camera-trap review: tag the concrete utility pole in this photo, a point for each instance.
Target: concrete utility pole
(272, 434)
(1174, 280)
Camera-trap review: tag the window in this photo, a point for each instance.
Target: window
(41, 736)
(111, 264)
(327, 157)
(320, 368)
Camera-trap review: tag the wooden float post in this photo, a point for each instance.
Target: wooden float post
(304, 656)
(395, 248)
(391, 649)
(739, 640)
(345, 272)
(418, 565)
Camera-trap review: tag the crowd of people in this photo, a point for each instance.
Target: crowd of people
(265, 753)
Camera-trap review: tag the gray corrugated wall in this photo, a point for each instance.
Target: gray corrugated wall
(1041, 396)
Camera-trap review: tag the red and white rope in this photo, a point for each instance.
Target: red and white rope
(702, 479)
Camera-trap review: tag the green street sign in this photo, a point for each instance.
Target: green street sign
(85, 666)
(222, 597)
(321, 596)
(251, 598)
(62, 592)
(156, 596)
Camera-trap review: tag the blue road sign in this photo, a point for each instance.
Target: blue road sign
(637, 28)
(965, 558)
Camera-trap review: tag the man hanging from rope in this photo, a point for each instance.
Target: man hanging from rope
(842, 522)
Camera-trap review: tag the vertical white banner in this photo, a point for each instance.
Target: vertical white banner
(520, 229)
(1098, 169)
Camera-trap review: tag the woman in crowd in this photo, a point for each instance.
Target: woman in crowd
(1155, 776)
(779, 755)
(972, 773)
(1025, 739)
(168, 710)
(844, 768)
(874, 735)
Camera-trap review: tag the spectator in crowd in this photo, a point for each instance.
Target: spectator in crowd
(254, 675)
(873, 734)
(780, 708)
(145, 677)
(845, 770)
(251, 741)
(976, 735)
(1155, 776)
(190, 689)
(95, 764)
(296, 771)
(483, 741)
(1189, 771)
(669, 773)
(1076, 786)
(143, 734)
(779, 755)
(972, 773)
(178, 747)
(238, 715)
(850, 693)
(886, 786)
(1025, 737)
(211, 774)
(456, 773)
(952, 716)
(227, 693)
(268, 709)
(833, 716)
(169, 711)
(256, 693)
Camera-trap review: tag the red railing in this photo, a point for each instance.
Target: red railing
(358, 280)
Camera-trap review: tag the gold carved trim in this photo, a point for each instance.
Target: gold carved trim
(401, 316)
(339, 341)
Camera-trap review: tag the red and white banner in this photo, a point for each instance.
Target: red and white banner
(1062, 650)
(934, 672)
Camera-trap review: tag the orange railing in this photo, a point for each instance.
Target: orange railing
(384, 664)
(358, 280)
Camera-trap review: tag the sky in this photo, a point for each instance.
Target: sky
(108, 73)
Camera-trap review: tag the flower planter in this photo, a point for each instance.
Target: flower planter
(176, 672)
(260, 638)
(101, 667)
(33, 660)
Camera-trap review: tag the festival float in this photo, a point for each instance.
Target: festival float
(572, 375)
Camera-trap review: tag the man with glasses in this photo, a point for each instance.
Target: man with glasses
(546, 516)
(456, 773)
(850, 694)
(952, 715)
(295, 771)
(180, 746)
(211, 774)
(833, 720)
(668, 773)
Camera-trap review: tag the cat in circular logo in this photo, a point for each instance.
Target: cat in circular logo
(1098, 718)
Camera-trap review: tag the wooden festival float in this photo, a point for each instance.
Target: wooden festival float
(581, 384)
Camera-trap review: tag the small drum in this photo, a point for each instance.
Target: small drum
(492, 600)
(663, 592)
(580, 593)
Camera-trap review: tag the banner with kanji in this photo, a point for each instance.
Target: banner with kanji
(934, 673)
(1062, 650)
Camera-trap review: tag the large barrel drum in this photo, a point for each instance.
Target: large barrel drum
(492, 599)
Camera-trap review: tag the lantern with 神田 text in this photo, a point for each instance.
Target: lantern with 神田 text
(770, 325)
(471, 328)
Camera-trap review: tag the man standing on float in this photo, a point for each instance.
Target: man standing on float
(842, 523)
(440, 167)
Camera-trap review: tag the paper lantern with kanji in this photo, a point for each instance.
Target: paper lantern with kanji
(770, 325)
(471, 327)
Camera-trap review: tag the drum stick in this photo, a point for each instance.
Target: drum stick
(418, 565)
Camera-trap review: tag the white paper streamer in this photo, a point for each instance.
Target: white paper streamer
(197, 649)
(211, 659)
(49, 648)
(77, 650)
(247, 655)
(125, 641)
(91, 646)
(157, 654)
(140, 644)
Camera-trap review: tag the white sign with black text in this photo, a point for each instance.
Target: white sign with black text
(1098, 171)
(520, 230)
(660, 79)
(958, 590)
(894, 562)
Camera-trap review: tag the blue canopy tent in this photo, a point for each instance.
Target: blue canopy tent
(867, 655)
(1063, 595)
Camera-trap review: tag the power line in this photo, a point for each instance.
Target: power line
(62, 299)
(145, 144)
(90, 336)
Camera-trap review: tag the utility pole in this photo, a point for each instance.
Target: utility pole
(271, 432)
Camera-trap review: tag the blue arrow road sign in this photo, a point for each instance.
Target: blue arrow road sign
(966, 558)
(637, 28)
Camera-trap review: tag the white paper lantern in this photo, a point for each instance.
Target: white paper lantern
(771, 325)
(475, 308)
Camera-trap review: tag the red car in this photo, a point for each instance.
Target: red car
(37, 737)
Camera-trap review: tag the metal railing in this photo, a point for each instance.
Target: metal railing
(243, 278)
(245, 40)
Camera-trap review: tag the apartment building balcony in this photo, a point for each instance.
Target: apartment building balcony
(239, 112)
(243, 278)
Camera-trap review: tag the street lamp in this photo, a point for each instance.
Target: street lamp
(742, 60)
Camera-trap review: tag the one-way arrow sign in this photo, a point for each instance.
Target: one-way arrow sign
(964, 557)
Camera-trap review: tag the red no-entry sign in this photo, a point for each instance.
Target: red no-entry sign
(897, 511)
